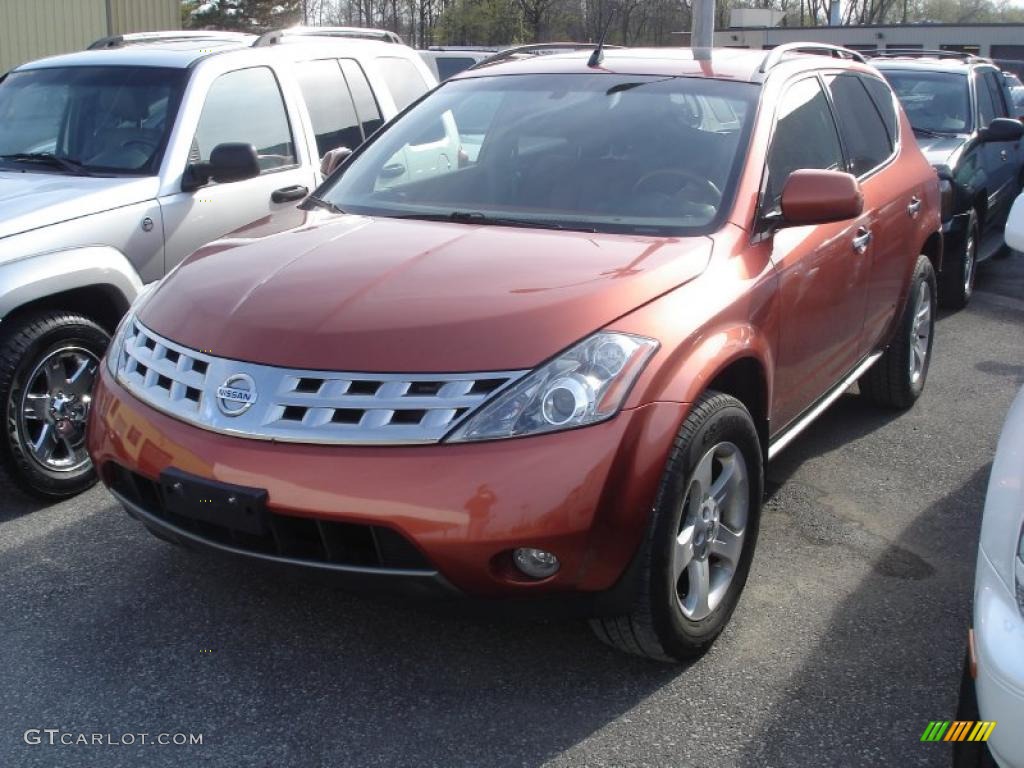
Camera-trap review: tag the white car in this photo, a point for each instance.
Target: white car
(996, 647)
(1014, 231)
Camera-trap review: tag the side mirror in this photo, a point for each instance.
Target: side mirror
(332, 159)
(820, 197)
(231, 161)
(1003, 129)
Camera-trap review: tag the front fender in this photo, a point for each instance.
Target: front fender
(35, 277)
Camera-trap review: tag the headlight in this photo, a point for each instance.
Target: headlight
(582, 386)
(117, 343)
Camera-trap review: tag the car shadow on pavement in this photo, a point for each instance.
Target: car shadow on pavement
(917, 583)
(847, 420)
(14, 502)
(276, 669)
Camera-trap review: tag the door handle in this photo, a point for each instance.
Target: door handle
(860, 242)
(1003, 154)
(914, 207)
(392, 171)
(287, 194)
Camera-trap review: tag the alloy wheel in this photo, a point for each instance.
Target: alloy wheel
(921, 332)
(709, 543)
(970, 263)
(54, 407)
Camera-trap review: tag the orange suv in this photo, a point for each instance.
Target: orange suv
(555, 365)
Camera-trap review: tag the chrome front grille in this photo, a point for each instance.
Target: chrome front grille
(303, 406)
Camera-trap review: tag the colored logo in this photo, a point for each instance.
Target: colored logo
(958, 730)
(236, 395)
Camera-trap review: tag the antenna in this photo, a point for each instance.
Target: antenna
(598, 55)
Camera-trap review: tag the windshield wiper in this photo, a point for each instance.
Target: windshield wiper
(312, 201)
(476, 217)
(929, 132)
(50, 159)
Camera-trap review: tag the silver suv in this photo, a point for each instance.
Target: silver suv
(119, 161)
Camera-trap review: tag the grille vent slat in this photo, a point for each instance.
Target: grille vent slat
(301, 406)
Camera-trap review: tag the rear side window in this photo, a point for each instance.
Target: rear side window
(805, 137)
(452, 65)
(246, 106)
(331, 110)
(404, 81)
(362, 94)
(885, 103)
(864, 133)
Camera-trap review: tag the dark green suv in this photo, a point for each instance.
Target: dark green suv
(960, 109)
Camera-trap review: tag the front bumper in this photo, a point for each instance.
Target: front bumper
(999, 644)
(583, 494)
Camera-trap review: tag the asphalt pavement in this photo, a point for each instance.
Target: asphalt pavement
(848, 640)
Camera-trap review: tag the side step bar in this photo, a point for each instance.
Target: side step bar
(791, 432)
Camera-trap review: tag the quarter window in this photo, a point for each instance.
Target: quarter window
(246, 106)
(404, 81)
(885, 103)
(331, 110)
(864, 133)
(805, 137)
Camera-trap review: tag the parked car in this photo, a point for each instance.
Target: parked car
(961, 113)
(1016, 88)
(553, 372)
(447, 60)
(117, 162)
(1014, 232)
(993, 688)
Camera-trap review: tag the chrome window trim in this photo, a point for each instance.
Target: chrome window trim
(167, 385)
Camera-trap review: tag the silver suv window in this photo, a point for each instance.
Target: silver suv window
(246, 106)
(404, 81)
(100, 119)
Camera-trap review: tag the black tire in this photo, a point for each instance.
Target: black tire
(657, 628)
(24, 345)
(960, 269)
(890, 382)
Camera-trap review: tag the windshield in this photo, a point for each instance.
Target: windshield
(935, 102)
(103, 119)
(609, 153)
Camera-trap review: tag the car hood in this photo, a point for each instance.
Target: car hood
(385, 295)
(941, 150)
(31, 200)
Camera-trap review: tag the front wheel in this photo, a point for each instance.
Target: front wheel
(48, 363)
(700, 539)
(897, 379)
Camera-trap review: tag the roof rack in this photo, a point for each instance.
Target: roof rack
(890, 53)
(536, 49)
(278, 35)
(776, 54)
(135, 38)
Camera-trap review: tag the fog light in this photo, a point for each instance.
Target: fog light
(535, 563)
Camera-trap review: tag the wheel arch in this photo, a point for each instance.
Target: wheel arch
(98, 282)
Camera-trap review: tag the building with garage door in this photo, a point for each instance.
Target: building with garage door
(31, 29)
(755, 28)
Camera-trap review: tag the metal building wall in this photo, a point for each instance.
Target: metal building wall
(144, 15)
(31, 29)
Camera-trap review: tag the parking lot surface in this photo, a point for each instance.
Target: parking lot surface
(848, 639)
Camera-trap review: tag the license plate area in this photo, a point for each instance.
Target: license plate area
(235, 507)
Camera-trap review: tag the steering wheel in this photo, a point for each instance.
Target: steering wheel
(150, 146)
(707, 191)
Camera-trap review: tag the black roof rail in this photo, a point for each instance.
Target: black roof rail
(911, 53)
(136, 38)
(276, 36)
(776, 54)
(466, 48)
(536, 49)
